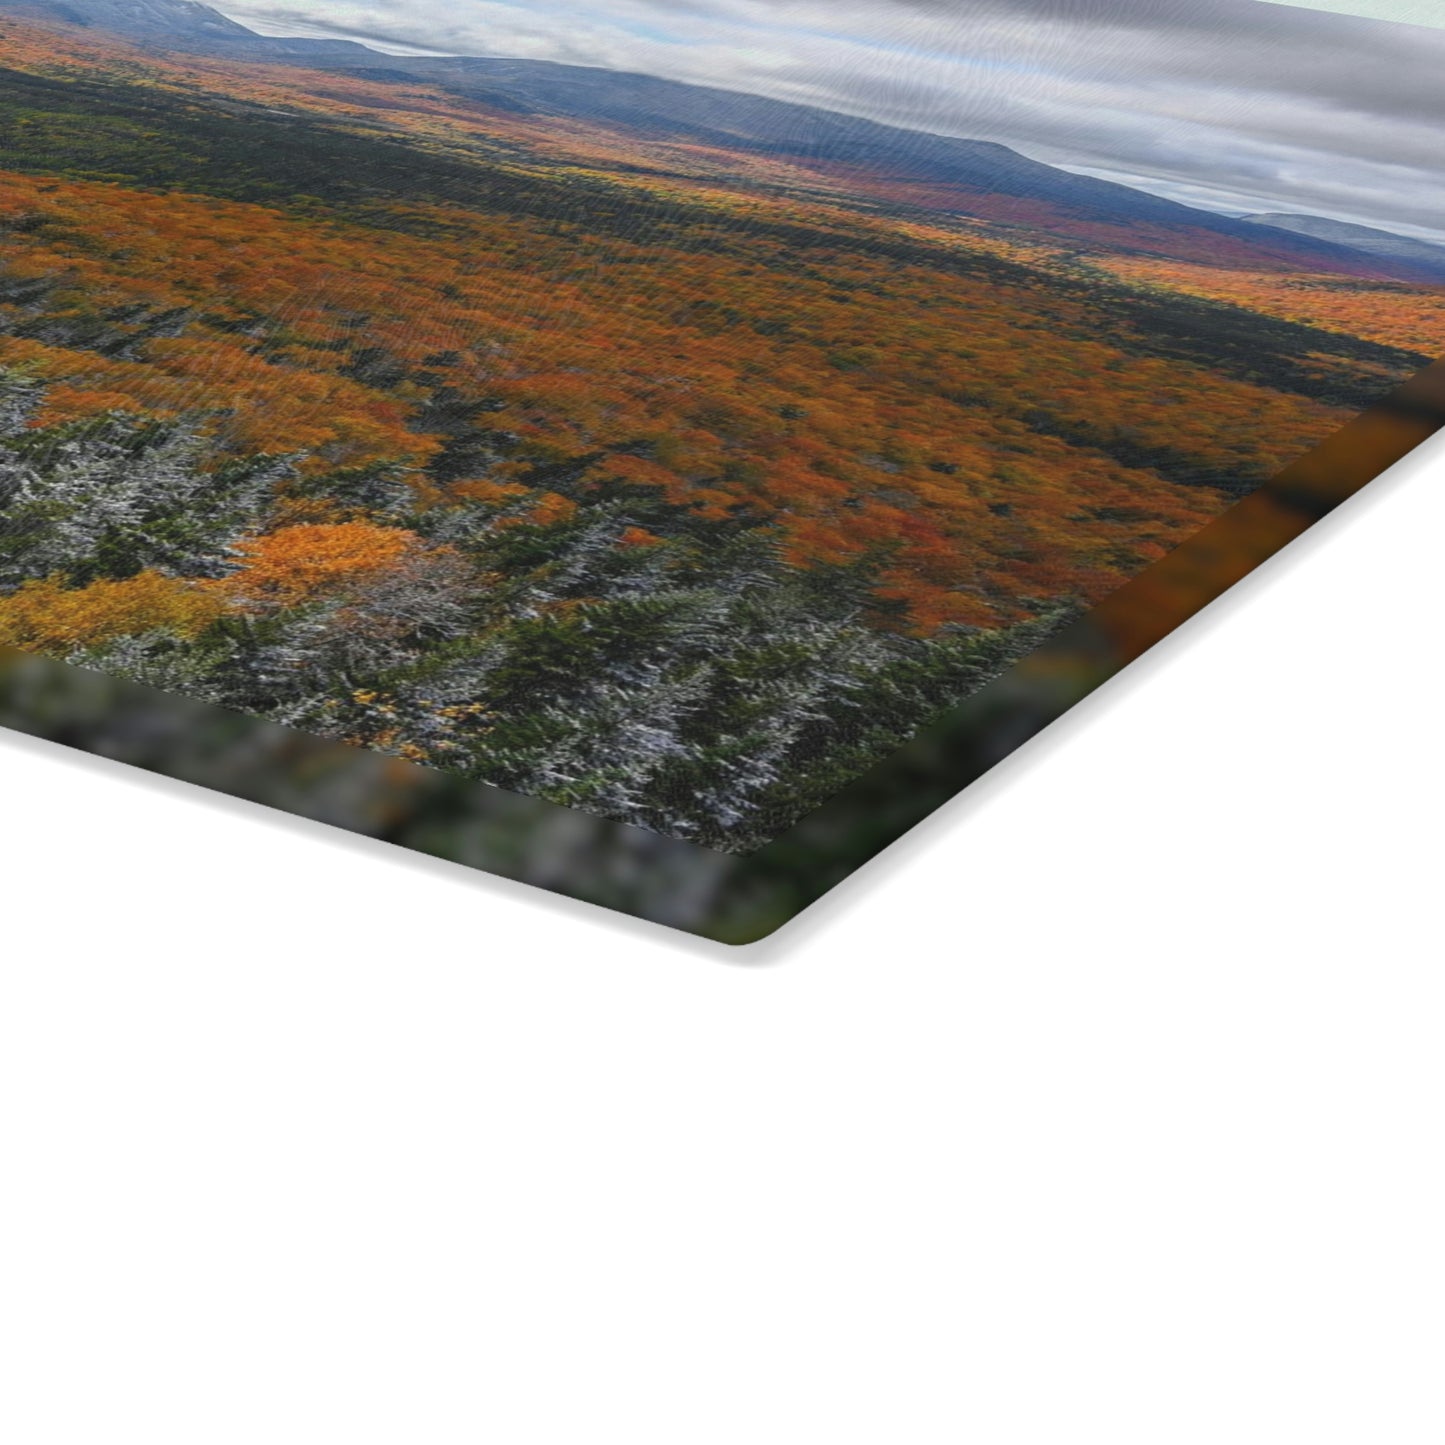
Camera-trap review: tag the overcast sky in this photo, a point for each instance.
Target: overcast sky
(1231, 104)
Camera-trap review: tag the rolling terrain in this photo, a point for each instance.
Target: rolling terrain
(666, 452)
(934, 172)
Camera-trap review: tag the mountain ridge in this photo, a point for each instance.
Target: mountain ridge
(1372, 240)
(657, 108)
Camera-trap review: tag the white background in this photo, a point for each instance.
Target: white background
(1106, 1108)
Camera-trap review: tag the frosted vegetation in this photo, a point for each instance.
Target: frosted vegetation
(627, 656)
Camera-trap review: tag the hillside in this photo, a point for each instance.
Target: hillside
(672, 479)
(917, 170)
(1422, 255)
(184, 25)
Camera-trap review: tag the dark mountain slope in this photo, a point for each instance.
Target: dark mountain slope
(665, 109)
(660, 109)
(1372, 242)
(182, 25)
(151, 18)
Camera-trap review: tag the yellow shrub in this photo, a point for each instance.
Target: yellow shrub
(46, 617)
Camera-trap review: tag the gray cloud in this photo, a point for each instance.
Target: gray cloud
(1233, 104)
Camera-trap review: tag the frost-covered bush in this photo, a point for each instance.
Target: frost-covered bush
(116, 495)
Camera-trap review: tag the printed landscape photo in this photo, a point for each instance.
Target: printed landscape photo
(668, 411)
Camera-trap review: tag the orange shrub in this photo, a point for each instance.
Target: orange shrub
(299, 563)
(45, 617)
